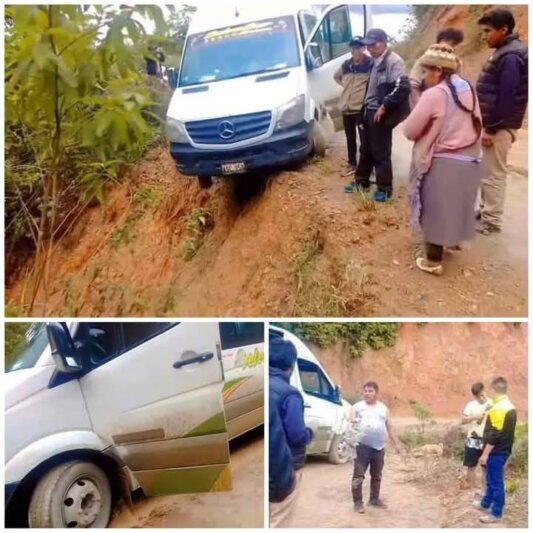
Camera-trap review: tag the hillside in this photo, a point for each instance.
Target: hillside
(472, 51)
(435, 365)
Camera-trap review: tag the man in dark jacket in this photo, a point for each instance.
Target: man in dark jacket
(502, 88)
(386, 105)
(498, 438)
(288, 403)
(281, 478)
(353, 77)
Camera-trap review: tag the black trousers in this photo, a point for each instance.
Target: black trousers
(375, 153)
(434, 252)
(350, 129)
(367, 457)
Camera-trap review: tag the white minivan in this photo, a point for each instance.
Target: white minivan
(325, 410)
(97, 410)
(255, 86)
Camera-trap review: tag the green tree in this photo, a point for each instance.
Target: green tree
(75, 107)
(357, 335)
(14, 335)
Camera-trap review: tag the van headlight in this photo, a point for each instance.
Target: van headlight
(291, 113)
(176, 131)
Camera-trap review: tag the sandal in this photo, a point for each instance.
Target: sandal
(422, 264)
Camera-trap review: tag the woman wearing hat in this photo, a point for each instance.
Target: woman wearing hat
(445, 126)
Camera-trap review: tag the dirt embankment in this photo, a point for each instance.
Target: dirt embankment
(436, 364)
(288, 244)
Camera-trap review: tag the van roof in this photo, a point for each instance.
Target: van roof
(226, 13)
(303, 351)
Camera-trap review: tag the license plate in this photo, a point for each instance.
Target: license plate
(234, 168)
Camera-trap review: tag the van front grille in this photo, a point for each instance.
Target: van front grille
(229, 130)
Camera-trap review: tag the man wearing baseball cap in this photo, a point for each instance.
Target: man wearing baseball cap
(353, 76)
(386, 105)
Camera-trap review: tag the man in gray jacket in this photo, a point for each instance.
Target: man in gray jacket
(386, 105)
(353, 76)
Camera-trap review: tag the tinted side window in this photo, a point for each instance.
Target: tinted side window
(235, 334)
(136, 333)
(339, 31)
(97, 342)
(307, 23)
(314, 381)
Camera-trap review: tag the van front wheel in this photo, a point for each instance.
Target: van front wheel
(319, 140)
(339, 453)
(205, 182)
(74, 494)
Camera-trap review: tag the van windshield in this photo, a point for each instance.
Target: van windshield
(235, 51)
(28, 351)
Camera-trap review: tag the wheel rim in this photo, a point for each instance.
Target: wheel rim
(82, 503)
(342, 449)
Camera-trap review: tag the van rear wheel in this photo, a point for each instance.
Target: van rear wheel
(339, 453)
(74, 494)
(205, 182)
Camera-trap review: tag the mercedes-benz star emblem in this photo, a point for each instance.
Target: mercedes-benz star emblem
(226, 129)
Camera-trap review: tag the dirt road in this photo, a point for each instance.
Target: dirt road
(412, 501)
(288, 244)
(241, 507)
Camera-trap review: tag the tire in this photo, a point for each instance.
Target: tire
(205, 182)
(319, 140)
(338, 453)
(74, 494)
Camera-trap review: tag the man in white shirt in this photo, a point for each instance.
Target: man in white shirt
(373, 428)
(474, 417)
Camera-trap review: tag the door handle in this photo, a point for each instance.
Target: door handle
(307, 406)
(201, 358)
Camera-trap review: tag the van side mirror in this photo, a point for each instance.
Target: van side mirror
(62, 348)
(172, 77)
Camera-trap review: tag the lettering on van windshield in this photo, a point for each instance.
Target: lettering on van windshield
(253, 28)
(256, 358)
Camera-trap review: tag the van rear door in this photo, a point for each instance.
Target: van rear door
(154, 391)
(326, 48)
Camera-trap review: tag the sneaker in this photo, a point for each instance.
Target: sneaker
(376, 502)
(359, 507)
(422, 264)
(489, 519)
(488, 229)
(380, 196)
(355, 187)
(348, 171)
(476, 504)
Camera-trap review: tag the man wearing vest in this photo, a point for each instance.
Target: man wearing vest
(502, 89)
(372, 426)
(289, 404)
(386, 105)
(498, 438)
(353, 77)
